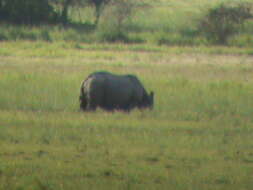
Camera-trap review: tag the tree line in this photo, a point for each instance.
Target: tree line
(36, 12)
(217, 25)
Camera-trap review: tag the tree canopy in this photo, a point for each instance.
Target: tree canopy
(44, 11)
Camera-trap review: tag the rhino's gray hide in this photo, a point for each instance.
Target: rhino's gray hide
(110, 92)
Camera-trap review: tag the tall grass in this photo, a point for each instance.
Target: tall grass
(199, 135)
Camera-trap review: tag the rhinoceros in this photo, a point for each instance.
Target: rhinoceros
(113, 92)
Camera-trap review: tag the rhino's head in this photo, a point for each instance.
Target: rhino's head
(148, 100)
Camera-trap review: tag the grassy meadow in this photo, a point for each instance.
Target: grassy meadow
(199, 135)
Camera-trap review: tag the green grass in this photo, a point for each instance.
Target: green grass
(199, 135)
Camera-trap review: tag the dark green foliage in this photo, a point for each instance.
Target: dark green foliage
(223, 21)
(3, 36)
(27, 11)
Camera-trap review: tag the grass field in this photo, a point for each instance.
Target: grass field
(199, 135)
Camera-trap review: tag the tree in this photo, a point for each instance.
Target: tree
(121, 11)
(116, 17)
(99, 6)
(64, 13)
(225, 20)
(1, 9)
(65, 6)
(26, 11)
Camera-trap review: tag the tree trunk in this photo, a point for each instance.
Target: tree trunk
(64, 14)
(98, 11)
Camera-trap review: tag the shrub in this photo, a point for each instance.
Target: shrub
(112, 36)
(45, 35)
(241, 40)
(3, 36)
(223, 21)
(178, 39)
(17, 33)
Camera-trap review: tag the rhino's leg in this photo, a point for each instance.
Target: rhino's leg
(109, 107)
(131, 104)
(91, 106)
(92, 103)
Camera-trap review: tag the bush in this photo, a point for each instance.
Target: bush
(223, 21)
(3, 36)
(45, 35)
(241, 40)
(22, 33)
(112, 36)
(178, 39)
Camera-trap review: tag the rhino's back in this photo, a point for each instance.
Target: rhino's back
(123, 90)
(113, 83)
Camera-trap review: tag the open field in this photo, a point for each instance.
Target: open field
(199, 135)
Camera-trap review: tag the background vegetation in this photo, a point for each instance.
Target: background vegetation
(164, 22)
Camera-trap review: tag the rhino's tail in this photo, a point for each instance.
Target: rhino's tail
(83, 97)
(82, 90)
